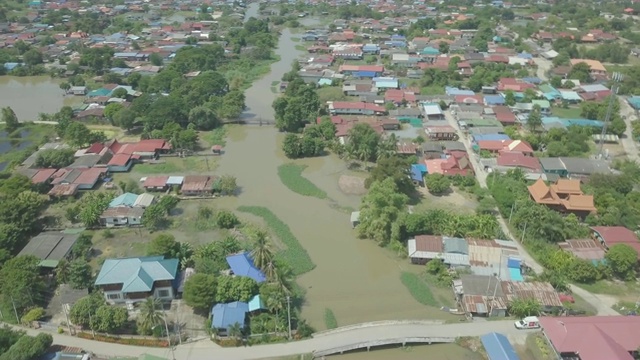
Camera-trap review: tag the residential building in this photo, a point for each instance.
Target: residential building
(586, 249)
(197, 185)
(593, 337)
(564, 196)
(51, 247)
(438, 133)
(241, 264)
(608, 236)
(424, 248)
(595, 66)
(354, 108)
(130, 280)
(122, 216)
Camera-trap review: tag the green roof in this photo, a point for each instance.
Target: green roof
(137, 274)
(49, 263)
(544, 104)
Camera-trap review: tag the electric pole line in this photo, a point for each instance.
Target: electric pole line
(289, 314)
(616, 78)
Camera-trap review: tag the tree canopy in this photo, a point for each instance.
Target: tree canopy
(380, 210)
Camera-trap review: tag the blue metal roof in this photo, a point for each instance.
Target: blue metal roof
(126, 199)
(370, 74)
(490, 137)
(494, 100)
(242, 265)
(256, 303)
(513, 263)
(498, 347)
(453, 91)
(416, 173)
(515, 275)
(225, 315)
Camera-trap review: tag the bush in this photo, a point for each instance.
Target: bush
(125, 341)
(437, 184)
(294, 255)
(34, 314)
(226, 219)
(330, 320)
(291, 176)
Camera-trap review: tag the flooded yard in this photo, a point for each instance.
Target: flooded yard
(19, 93)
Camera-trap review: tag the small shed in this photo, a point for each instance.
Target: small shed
(355, 219)
(216, 149)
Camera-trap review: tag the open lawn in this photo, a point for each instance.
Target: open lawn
(419, 289)
(294, 255)
(570, 113)
(456, 201)
(331, 93)
(291, 176)
(432, 90)
(300, 47)
(177, 165)
(622, 290)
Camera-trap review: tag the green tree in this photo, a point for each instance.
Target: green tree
(108, 319)
(84, 309)
(32, 315)
(522, 308)
(437, 184)
(168, 203)
(10, 119)
(78, 135)
(509, 98)
(443, 47)
(80, 274)
(363, 143)
(28, 348)
(82, 247)
(55, 158)
(226, 219)
(165, 245)
(92, 206)
(125, 119)
(233, 104)
(534, 121)
(235, 288)
(154, 217)
(623, 261)
(262, 253)
(227, 185)
(150, 315)
(155, 59)
(380, 211)
(120, 93)
(20, 282)
(32, 57)
(203, 118)
(556, 82)
(112, 109)
(200, 291)
(393, 167)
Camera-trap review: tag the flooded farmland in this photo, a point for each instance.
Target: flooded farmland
(29, 96)
(354, 278)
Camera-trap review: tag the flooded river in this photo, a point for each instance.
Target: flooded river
(354, 278)
(30, 95)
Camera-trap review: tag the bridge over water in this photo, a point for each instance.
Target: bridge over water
(382, 342)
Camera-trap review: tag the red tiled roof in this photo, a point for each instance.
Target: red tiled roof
(594, 337)
(514, 158)
(43, 175)
(430, 243)
(615, 234)
(119, 160)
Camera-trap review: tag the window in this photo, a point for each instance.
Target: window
(113, 296)
(163, 293)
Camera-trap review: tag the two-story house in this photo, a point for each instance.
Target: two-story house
(131, 280)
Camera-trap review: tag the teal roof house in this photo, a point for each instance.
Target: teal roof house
(131, 280)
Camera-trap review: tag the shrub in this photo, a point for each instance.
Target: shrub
(294, 255)
(226, 219)
(125, 341)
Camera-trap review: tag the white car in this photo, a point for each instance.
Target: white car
(530, 322)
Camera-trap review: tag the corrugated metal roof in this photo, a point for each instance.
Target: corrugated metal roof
(456, 259)
(455, 245)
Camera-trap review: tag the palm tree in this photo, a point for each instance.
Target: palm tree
(150, 315)
(235, 331)
(185, 254)
(62, 271)
(283, 278)
(270, 270)
(261, 253)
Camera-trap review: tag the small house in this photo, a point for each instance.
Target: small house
(122, 216)
(197, 185)
(78, 90)
(241, 264)
(355, 219)
(155, 183)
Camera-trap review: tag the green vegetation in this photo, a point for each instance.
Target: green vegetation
(538, 348)
(291, 176)
(330, 320)
(570, 113)
(294, 255)
(418, 289)
(301, 48)
(216, 136)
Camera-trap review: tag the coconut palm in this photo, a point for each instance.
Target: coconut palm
(235, 331)
(283, 277)
(62, 271)
(185, 254)
(262, 253)
(270, 270)
(150, 315)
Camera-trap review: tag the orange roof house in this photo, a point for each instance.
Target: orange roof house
(565, 196)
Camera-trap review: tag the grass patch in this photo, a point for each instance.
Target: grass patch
(192, 164)
(432, 90)
(332, 93)
(295, 39)
(570, 113)
(330, 320)
(606, 287)
(418, 289)
(581, 304)
(275, 83)
(216, 136)
(291, 176)
(294, 255)
(538, 347)
(301, 47)
(625, 307)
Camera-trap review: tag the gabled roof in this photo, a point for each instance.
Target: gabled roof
(541, 193)
(498, 347)
(242, 265)
(225, 315)
(126, 199)
(567, 186)
(137, 274)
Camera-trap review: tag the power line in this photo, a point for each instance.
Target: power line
(616, 78)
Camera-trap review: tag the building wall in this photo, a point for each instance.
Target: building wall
(125, 168)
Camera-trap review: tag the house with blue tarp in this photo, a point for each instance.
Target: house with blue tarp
(395, 43)
(365, 74)
(241, 264)
(493, 100)
(532, 80)
(418, 172)
(11, 65)
(453, 91)
(229, 314)
(515, 269)
(325, 82)
(498, 347)
(571, 97)
(100, 92)
(525, 55)
(398, 37)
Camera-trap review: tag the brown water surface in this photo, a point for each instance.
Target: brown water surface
(30, 95)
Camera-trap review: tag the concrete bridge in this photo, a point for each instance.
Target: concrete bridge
(383, 342)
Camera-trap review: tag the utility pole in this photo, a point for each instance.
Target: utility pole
(511, 214)
(93, 333)
(523, 232)
(616, 78)
(166, 328)
(66, 315)
(15, 311)
(289, 314)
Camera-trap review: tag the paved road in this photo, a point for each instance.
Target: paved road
(628, 143)
(602, 303)
(207, 350)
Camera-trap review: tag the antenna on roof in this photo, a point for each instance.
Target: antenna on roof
(616, 78)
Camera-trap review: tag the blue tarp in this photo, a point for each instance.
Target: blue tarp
(490, 137)
(242, 265)
(515, 275)
(514, 263)
(498, 347)
(416, 173)
(368, 74)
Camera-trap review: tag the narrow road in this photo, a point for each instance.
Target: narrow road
(628, 143)
(208, 350)
(602, 303)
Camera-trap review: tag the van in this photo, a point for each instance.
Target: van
(530, 322)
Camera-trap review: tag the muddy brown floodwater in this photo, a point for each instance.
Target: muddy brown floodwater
(354, 278)
(30, 95)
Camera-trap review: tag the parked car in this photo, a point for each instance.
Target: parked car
(530, 322)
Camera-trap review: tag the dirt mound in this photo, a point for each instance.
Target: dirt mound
(351, 185)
